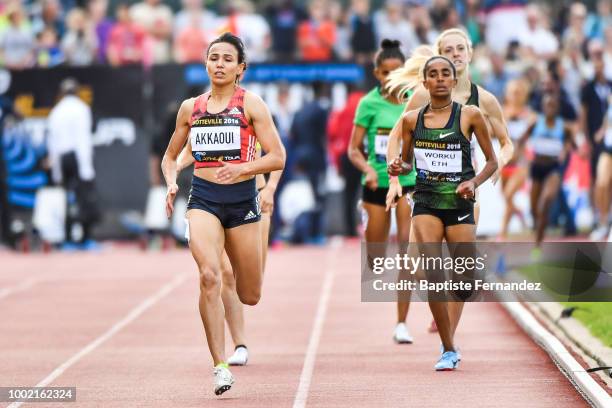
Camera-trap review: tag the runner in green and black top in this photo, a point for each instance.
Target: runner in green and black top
(438, 137)
(456, 45)
(443, 160)
(375, 117)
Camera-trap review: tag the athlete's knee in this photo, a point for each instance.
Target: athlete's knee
(250, 297)
(210, 280)
(227, 276)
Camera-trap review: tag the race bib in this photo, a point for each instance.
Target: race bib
(548, 147)
(438, 161)
(214, 143)
(380, 144)
(380, 147)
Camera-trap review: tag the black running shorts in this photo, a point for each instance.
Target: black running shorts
(233, 204)
(448, 217)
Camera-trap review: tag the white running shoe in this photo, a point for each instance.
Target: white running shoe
(599, 234)
(223, 379)
(401, 335)
(239, 358)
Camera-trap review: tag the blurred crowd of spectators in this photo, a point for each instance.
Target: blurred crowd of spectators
(52, 32)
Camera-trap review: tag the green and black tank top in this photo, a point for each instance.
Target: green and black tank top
(443, 161)
(473, 100)
(474, 97)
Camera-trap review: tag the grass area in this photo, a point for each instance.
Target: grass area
(597, 317)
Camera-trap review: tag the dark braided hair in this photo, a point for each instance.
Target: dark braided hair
(389, 49)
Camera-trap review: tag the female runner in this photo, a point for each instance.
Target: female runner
(376, 115)
(223, 126)
(438, 137)
(234, 311)
(518, 115)
(455, 45)
(551, 141)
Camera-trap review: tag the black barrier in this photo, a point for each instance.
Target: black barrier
(112, 92)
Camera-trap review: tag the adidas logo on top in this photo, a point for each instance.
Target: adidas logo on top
(234, 111)
(250, 216)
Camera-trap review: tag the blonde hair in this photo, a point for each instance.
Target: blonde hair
(408, 77)
(452, 31)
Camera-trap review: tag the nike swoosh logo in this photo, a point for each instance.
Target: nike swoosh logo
(443, 135)
(463, 218)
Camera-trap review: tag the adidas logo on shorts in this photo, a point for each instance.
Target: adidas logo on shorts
(234, 111)
(250, 216)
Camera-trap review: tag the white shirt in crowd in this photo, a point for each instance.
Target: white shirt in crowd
(17, 46)
(69, 130)
(401, 30)
(541, 41)
(255, 32)
(504, 25)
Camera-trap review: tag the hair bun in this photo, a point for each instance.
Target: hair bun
(388, 44)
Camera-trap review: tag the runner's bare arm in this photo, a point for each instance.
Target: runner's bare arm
(177, 141)
(181, 132)
(523, 139)
(398, 165)
(185, 159)
(395, 140)
(493, 112)
(267, 135)
(419, 98)
(356, 157)
(402, 131)
(355, 153)
(408, 128)
(479, 126)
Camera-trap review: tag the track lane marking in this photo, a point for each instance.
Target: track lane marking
(114, 329)
(301, 396)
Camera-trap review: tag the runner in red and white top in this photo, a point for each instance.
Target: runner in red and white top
(223, 208)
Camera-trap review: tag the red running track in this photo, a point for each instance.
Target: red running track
(123, 327)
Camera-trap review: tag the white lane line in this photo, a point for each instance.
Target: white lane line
(130, 317)
(315, 335)
(28, 283)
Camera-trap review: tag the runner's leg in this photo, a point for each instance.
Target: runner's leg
(207, 249)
